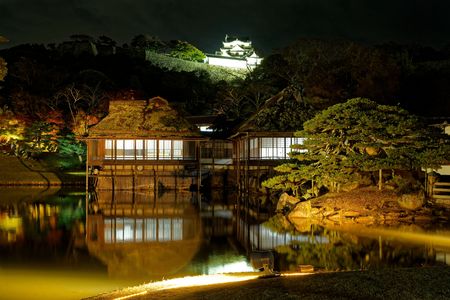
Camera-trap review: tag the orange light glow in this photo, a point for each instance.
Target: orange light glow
(204, 280)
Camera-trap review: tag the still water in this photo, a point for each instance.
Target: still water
(52, 248)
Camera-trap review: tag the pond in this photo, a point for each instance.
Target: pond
(51, 248)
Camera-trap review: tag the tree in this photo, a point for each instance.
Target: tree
(12, 130)
(3, 68)
(69, 147)
(330, 71)
(351, 139)
(186, 51)
(72, 96)
(82, 38)
(145, 41)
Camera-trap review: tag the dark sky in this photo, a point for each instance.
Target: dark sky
(270, 23)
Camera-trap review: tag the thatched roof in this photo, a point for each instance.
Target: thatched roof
(143, 118)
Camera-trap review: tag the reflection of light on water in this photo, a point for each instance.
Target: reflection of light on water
(12, 226)
(10, 223)
(265, 238)
(420, 238)
(239, 266)
(55, 284)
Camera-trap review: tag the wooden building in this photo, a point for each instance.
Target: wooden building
(143, 144)
(437, 181)
(263, 142)
(146, 144)
(257, 153)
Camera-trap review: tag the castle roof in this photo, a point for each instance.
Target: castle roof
(231, 38)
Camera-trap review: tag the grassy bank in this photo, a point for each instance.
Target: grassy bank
(39, 172)
(404, 283)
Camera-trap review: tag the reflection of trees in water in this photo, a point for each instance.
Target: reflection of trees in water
(51, 226)
(349, 252)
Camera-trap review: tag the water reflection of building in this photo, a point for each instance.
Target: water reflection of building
(259, 236)
(143, 234)
(122, 217)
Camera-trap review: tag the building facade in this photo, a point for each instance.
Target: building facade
(236, 52)
(143, 145)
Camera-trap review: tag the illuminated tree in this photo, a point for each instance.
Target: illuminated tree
(186, 51)
(347, 140)
(12, 130)
(71, 96)
(68, 148)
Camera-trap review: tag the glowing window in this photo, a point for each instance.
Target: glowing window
(165, 149)
(124, 149)
(254, 148)
(267, 150)
(274, 148)
(139, 149)
(150, 149)
(128, 149)
(109, 149)
(177, 149)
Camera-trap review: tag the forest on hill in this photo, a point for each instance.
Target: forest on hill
(59, 90)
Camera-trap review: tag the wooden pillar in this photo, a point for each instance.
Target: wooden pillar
(213, 162)
(199, 169)
(177, 167)
(247, 167)
(380, 179)
(155, 183)
(237, 164)
(87, 186)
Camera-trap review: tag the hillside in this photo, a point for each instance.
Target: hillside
(216, 73)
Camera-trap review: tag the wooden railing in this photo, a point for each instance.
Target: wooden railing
(441, 191)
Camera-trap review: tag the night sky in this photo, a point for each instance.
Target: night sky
(270, 23)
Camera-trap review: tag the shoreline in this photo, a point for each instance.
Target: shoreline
(365, 206)
(401, 283)
(18, 172)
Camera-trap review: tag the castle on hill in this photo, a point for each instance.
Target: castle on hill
(236, 52)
